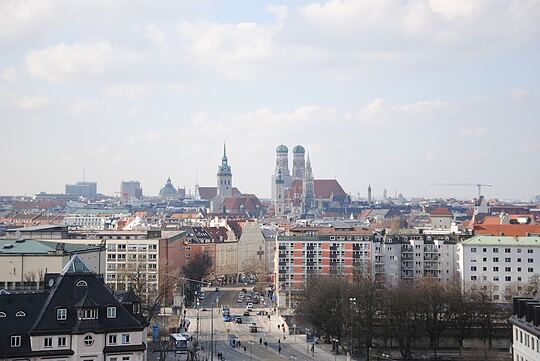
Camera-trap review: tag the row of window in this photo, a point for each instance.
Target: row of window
(86, 314)
(506, 269)
(506, 250)
(506, 259)
(527, 340)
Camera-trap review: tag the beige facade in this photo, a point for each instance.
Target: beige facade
(251, 249)
(19, 270)
(226, 258)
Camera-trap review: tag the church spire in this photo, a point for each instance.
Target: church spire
(224, 159)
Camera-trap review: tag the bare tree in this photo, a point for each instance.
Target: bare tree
(534, 284)
(461, 308)
(198, 268)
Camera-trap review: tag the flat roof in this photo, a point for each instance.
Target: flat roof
(40, 228)
(34, 246)
(502, 241)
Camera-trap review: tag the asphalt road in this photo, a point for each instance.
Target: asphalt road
(254, 349)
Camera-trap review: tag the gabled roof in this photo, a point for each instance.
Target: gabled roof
(209, 193)
(76, 265)
(322, 188)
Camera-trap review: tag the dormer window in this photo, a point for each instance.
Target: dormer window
(16, 341)
(81, 283)
(136, 308)
(111, 312)
(88, 314)
(3, 314)
(61, 314)
(20, 314)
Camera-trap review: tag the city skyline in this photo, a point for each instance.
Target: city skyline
(447, 92)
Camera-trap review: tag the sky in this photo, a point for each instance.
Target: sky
(399, 94)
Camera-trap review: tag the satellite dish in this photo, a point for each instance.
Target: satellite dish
(51, 282)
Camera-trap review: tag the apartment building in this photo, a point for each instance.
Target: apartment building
(409, 258)
(309, 251)
(504, 265)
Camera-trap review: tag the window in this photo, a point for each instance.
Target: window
(495, 259)
(81, 283)
(20, 314)
(61, 314)
(126, 358)
(473, 278)
(473, 268)
(530, 269)
(507, 269)
(484, 259)
(88, 314)
(508, 259)
(88, 340)
(530, 251)
(484, 249)
(507, 250)
(125, 338)
(62, 341)
(3, 314)
(495, 250)
(496, 278)
(47, 342)
(136, 308)
(473, 250)
(508, 278)
(111, 312)
(15, 341)
(112, 339)
(495, 269)
(530, 260)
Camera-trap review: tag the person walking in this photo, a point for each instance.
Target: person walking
(245, 349)
(260, 341)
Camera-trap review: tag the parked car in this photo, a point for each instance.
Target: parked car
(238, 319)
(246, 313)
(253, 327)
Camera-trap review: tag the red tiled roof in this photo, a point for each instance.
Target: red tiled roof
(440, 212)
(512, 230)
(248, 202)
(323, 188)
(210, 193)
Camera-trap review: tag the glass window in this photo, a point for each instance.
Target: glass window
(111, 312)
(495, 250)
(62, 341)
(112, 339)
(61, 314)
(15, 341)
(88, 340)
(125, 338)
(47, 342)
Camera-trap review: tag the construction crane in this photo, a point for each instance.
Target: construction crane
(479, 185)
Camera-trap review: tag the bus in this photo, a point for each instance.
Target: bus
(226, 313)
(180, 342)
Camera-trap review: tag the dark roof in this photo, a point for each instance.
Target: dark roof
(73, 289)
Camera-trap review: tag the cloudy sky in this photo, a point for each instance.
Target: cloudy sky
(396, 93)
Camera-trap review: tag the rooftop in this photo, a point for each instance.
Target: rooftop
(34, 246)
(502, 241)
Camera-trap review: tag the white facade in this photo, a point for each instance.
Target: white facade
(504, 263)
(525, 345)
(85, 222)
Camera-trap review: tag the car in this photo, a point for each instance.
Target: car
(246, 313)
(253, 327)
(250, 305)
(238, 319)
(244, 290)
(239, 300)
(217, 289)
(262, 313)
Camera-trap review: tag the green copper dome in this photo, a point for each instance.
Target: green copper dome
(282, 149)
(299, 149)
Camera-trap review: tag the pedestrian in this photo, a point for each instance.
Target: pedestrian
(279, 341)
(279, 349)
(245, 349)
(239, 343)
(265, 344)
(260, 341)
(278, 327)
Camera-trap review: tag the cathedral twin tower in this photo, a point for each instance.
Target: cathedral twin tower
(292, 193)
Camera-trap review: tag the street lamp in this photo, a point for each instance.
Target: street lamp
(336, 343)
(353, 302)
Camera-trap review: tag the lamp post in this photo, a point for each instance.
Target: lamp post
(351, 345)
(336, 343)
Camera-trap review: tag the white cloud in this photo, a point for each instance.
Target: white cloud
(18, 16)
(31, 102)
(230, 48)
(382, 111)
(519, 94)
(129, 90)
(8, 74)
(473, 132)
(63, 62)
(155, 34)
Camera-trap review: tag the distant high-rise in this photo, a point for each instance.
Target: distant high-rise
(82, 189)
(131, 190)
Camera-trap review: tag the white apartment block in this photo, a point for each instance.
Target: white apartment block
(408, 259)
(86, 222)
(526, 329)
(505, 264)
